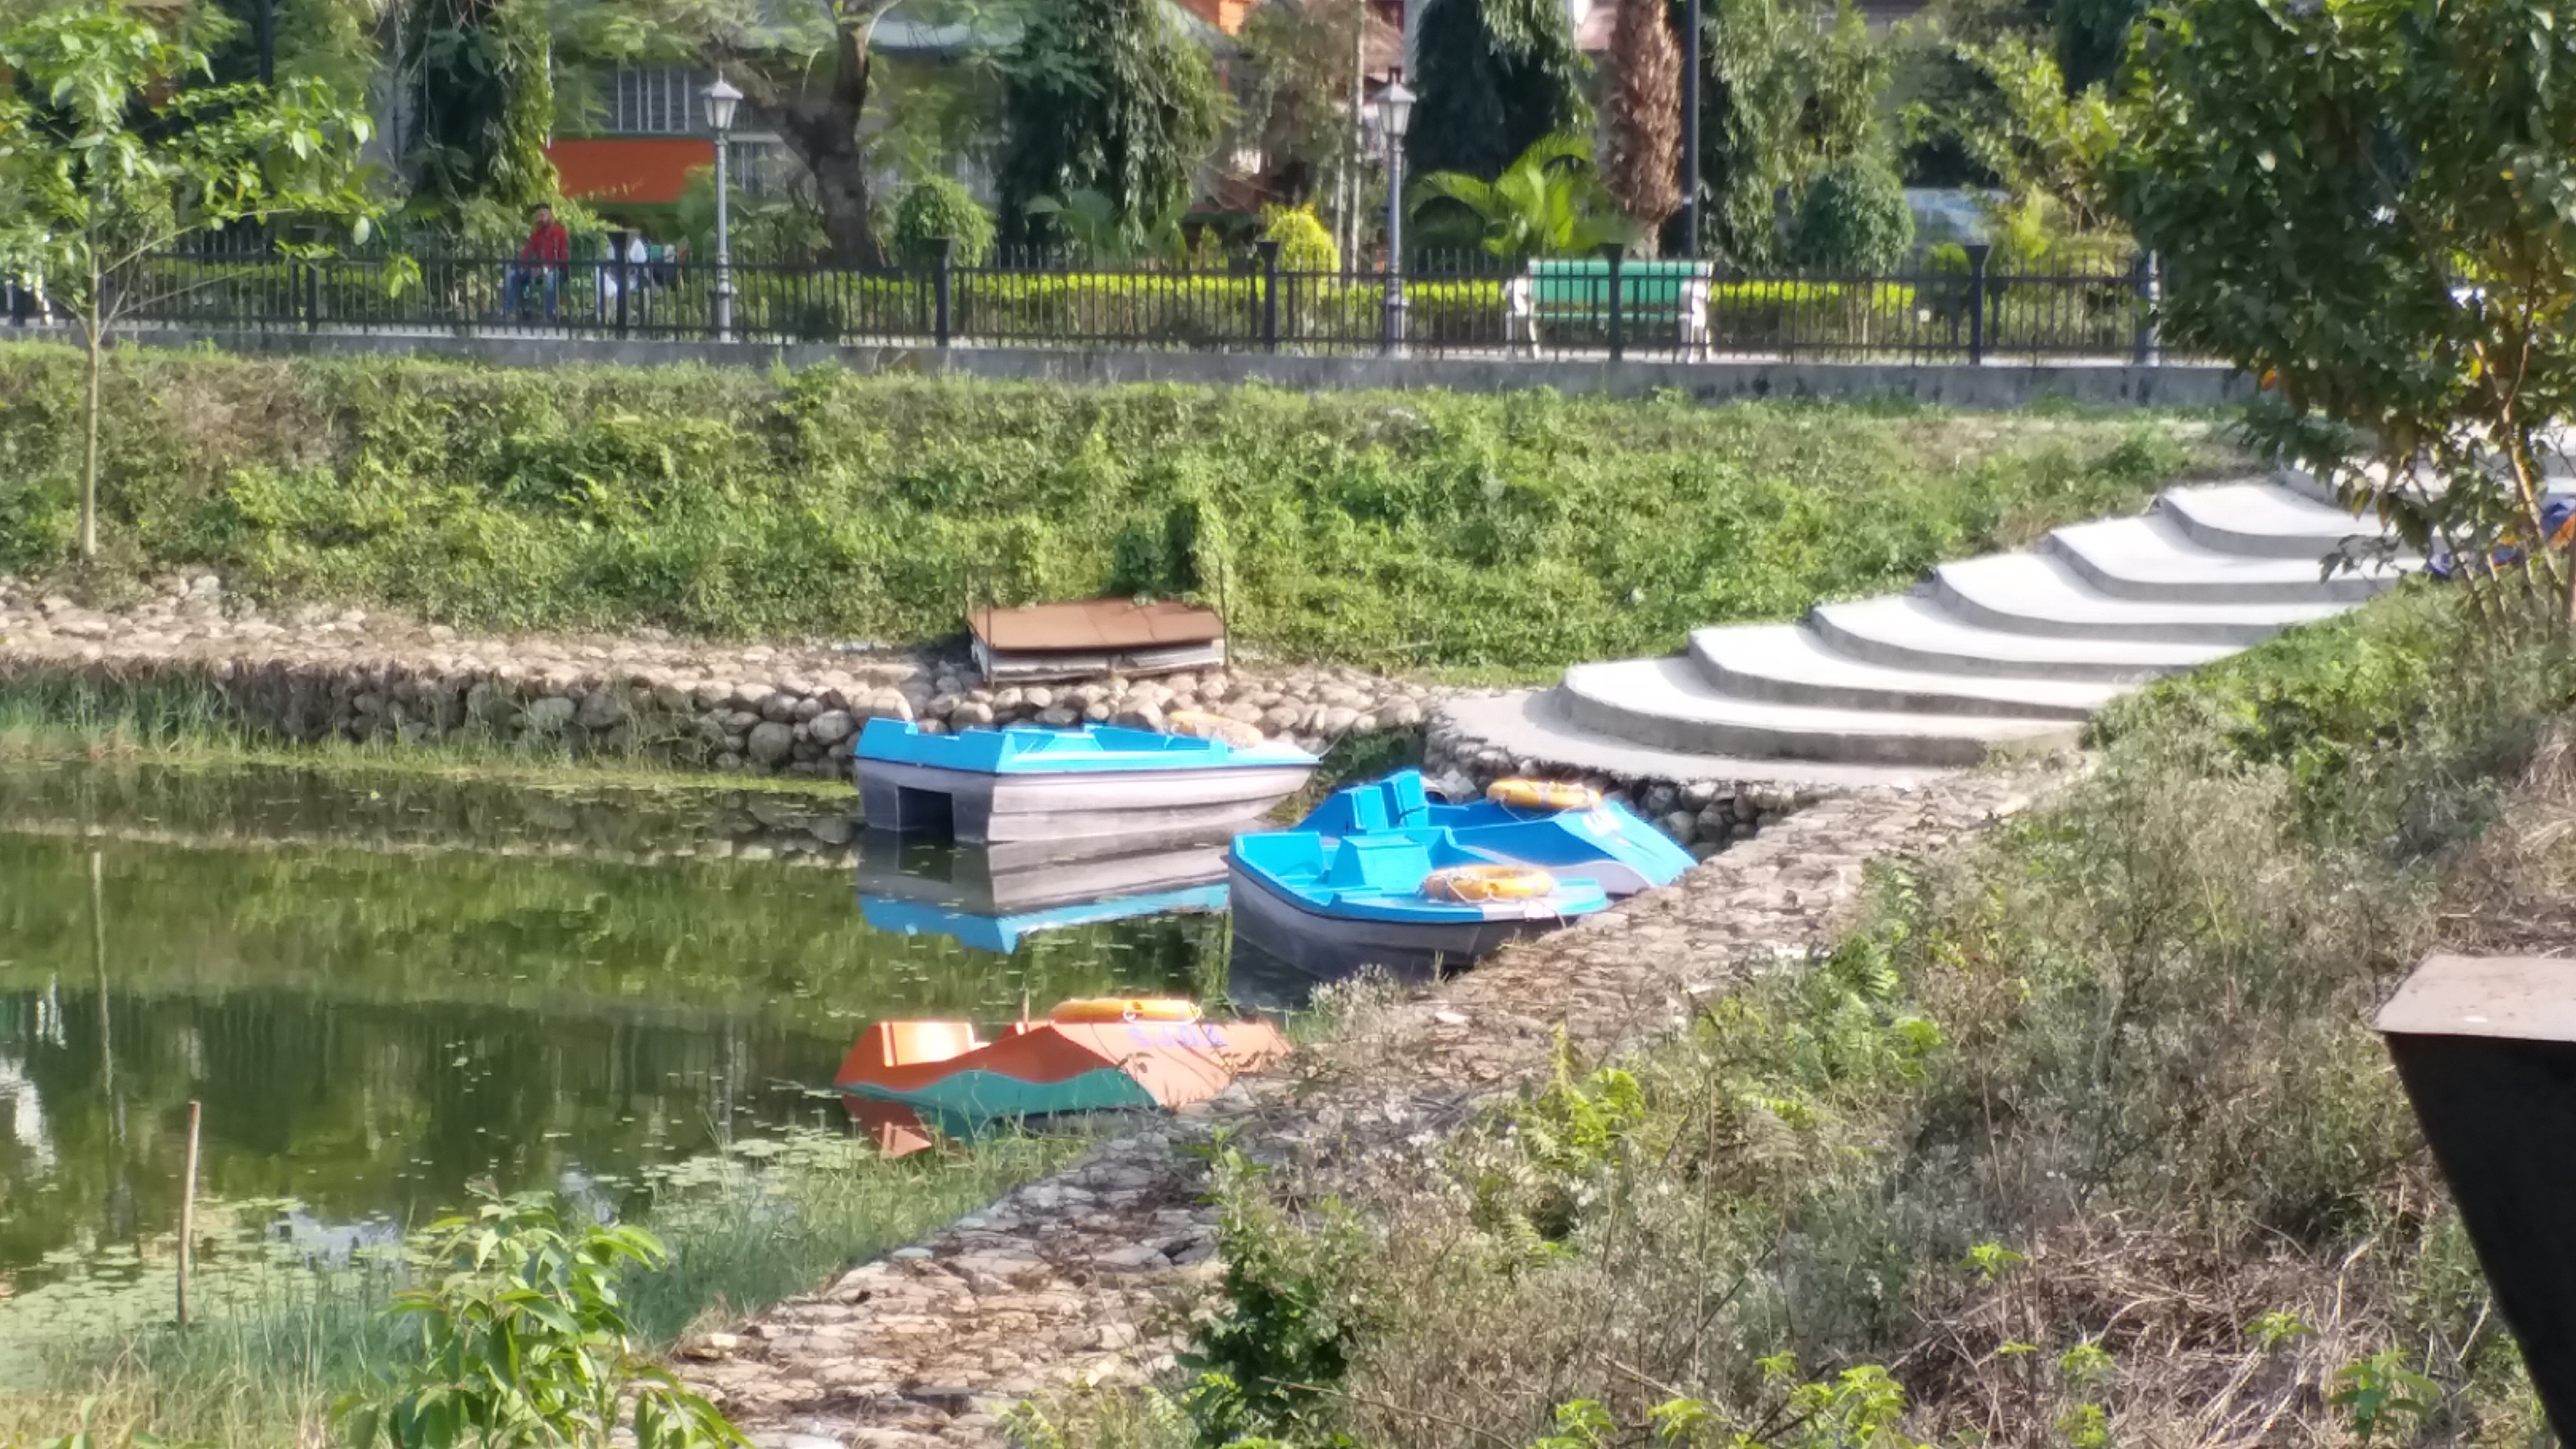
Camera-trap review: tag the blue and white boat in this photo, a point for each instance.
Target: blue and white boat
(1031, 784)
(1607, 843)
(914, 888)
(1333, 905)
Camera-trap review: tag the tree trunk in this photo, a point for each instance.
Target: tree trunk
(89, 452)
(822, 127)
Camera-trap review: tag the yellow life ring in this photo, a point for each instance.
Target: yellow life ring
(1474, 883)
(1119, 1008)
(1543, 795)
(1200, 725)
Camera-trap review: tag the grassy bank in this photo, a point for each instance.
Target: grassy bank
(2083, 1139)
(263, 1369)
(1524, 531)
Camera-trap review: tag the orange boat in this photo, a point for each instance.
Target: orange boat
(906, 1079)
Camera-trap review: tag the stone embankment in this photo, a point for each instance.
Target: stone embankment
(319, 673)
(1088, 1277)
(314, 674)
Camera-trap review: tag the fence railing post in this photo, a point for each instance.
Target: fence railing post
(1615, 254)
(2149, 353)
(626, 277)
(943, 292)
(1269, 249)
(312, 296)
(1978, 252)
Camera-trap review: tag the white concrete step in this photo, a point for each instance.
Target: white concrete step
(1913, 632)
(2031, 593)
(1787, 664)
(1529, 725)
(1665, 704)
(2262, 518)
(2155, 560)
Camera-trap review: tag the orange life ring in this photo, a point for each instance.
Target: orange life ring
(1543, 795)
(1474, 883)
(1120, 1008)
(1200, 725)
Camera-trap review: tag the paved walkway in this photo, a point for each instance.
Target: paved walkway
(1086, 1277)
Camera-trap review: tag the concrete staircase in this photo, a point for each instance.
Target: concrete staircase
(2008, 652)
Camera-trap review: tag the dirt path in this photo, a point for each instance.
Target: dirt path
(1086, 1277)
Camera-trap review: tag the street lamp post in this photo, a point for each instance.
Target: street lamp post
(1393, 112)
(721, 100)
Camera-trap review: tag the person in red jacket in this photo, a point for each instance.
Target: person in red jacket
(541, 263)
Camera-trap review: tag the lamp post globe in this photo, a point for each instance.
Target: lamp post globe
(722, 100)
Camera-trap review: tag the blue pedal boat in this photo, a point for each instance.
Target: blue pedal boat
(1330, 906)
(1030, 784)
(1608, 843)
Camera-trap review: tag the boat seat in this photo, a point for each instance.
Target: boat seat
(1388, 863)
(1412, 802)
(1368, 811)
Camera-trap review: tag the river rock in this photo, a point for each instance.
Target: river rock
(549, 715)
(770, 743)
(602, 708)
(831, 727)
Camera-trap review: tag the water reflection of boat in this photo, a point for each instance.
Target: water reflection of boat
(919, 887)
(906, 1079)
(1027, 784)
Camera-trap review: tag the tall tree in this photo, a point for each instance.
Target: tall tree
(115, 148)
(1104, 96)
(805, 69)
(1495, 78)
(2371, 204)
(481, 77)
(1785, 92)
(1642, 140)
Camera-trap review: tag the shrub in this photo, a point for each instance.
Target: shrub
(1304, 245)
(1854, 219)
(936, 208)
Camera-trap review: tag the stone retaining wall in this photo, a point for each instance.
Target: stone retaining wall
(1705, 815)
(317, 674)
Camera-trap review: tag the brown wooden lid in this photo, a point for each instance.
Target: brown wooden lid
(1095, 624)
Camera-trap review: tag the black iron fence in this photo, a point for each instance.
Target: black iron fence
(1955, 305)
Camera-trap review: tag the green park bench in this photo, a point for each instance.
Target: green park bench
(1656, 299)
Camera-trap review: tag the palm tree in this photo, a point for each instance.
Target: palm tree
(1548, 203)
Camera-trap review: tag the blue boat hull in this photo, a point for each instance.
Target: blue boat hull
(980, 809)
(1331, 947)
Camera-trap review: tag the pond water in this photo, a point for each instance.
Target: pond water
(382, 988)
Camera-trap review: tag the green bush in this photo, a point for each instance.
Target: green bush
(1304, 245)
(1854, 219)
(1521, 530)
(936, 208)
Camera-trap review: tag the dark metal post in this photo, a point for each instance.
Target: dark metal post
(1977, 254)
(626, 276)
(1690, 129)
(1269, 294)
(1614, 254)
(2149, 354)
(312, 296)
(944, 291)
(2487, 1051)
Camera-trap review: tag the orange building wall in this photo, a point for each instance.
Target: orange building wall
(629, 168)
